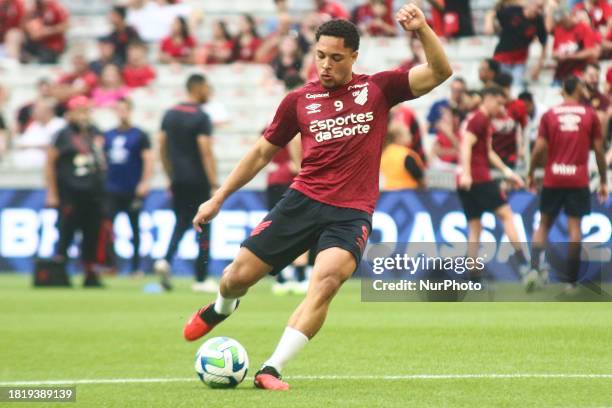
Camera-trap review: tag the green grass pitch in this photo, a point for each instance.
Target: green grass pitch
(367, 354)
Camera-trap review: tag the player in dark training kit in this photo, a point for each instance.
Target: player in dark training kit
(342, 119)
(567, 133)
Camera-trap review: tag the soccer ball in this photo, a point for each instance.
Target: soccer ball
(221, 362)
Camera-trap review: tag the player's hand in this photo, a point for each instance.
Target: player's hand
(531, 185)
(206, 212)
(465, 181)
(142, 189)
(52, 200)
(516, 180)
(602, 193)
(410, 17)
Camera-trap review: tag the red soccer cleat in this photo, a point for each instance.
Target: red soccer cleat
(202, 322)
(269, 379)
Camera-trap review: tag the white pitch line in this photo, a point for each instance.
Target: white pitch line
(315, 377)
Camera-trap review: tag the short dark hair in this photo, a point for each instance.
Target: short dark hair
(459, 79)
(526, 96)
(342, 29)
(121, 11)
(570, 84)
(503, 79)
(492, 91)
(194, 80)
(493, 65)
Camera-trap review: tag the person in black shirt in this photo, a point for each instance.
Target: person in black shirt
(187, 157)
(518, 25)
(75, 180)
(122, 34)
(460, 11)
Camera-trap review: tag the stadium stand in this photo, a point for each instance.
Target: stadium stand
(248, 91)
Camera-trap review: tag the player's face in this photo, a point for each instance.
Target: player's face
(80, 116)
(334, 61)
(204, 92)
(123, 112)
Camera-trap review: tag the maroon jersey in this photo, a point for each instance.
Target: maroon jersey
(505, 129)
(569, 41)
(342, 132)
(569, 130)
(479, 125)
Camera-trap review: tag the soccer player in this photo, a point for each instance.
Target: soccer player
(567, 133)
(477, 191)
(130, 166)
(185, 145)
(342, 119)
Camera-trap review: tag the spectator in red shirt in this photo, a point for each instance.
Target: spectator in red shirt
(599, 11)
(247, 41)
(606, 42)
(80, 81)
(122, 34)
(594, 97)
(219, 49)
(46, 27)
(137, 71)
(609, 81)
(374, 18)
(179, 45)
(12, 14)
(331, 9)
(574, 45)
(111, 89)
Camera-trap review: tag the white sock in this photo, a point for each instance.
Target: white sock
(225, 306)
(289, 345)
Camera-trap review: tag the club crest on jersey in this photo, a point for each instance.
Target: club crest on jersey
(362, 97)
(313, 108)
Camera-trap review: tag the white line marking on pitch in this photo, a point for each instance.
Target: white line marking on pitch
(314, 377)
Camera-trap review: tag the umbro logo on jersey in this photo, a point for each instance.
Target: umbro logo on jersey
(362, 97)
(313, 108)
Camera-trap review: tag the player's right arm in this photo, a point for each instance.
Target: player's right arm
(425, 77)
(537, 160)
(163, 153)
(600, 158)
(465, 159)
(256, 159)
(51, 177)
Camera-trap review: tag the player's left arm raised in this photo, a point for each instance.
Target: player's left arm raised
(425, 77)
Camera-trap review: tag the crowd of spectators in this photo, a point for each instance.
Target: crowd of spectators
(144, 33)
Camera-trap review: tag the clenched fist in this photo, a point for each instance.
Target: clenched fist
(410, 17)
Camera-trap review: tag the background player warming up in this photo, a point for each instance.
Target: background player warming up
(343, 120)
(567, 133)
(478, 192)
